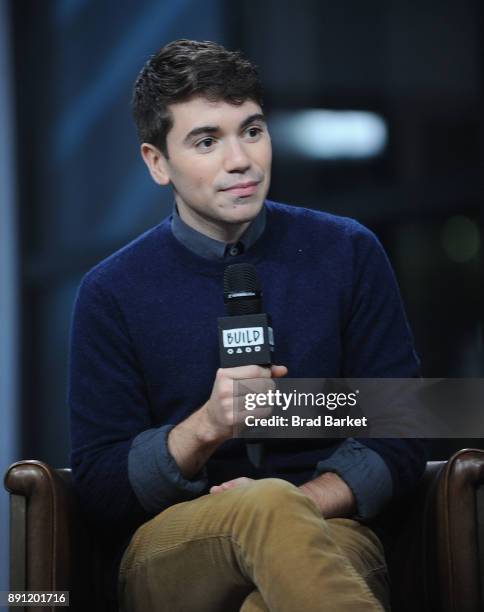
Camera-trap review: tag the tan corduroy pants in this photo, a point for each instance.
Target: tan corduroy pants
(258, 547)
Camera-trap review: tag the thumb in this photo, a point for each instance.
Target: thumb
(277, 371)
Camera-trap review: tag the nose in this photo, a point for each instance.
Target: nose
(236, 158)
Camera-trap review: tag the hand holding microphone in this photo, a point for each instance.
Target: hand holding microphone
(221, 414)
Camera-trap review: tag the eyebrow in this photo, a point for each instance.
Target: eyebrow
(212, 129)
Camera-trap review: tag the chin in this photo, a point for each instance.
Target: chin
(247, 205)
(243, 212)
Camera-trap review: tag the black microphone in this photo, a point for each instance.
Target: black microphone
(245, 334)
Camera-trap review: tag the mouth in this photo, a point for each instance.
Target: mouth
(243, 189)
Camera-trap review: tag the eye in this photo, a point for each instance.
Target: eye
(205, 143)
(253, 132)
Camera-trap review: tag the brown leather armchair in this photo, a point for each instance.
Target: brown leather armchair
(50, 546)
(435, 565)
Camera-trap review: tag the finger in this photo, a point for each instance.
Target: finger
(230, 484)
(253, 385)
(278, 371)
(222, 486)
(248, 371)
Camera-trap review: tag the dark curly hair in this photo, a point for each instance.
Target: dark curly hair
(183, 69)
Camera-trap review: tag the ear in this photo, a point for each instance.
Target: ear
(156, 162)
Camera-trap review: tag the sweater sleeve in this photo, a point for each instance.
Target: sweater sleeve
(110, 417)
(358, 465)
(155, 475)
(378, 344)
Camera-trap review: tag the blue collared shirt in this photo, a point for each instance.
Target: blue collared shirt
(215, 249)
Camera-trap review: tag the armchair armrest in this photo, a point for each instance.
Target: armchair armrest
(437, 560)
(459, 506)
(49, 544)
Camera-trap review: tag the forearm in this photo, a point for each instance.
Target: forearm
(331, 494)
(192, 442)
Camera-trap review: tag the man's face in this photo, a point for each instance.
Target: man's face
(219, 162)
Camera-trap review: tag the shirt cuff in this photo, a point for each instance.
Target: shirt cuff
(366, 474)
(154, 474)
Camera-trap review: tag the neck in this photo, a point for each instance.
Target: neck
(224, 232)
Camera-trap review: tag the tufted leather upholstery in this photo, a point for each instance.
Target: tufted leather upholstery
(435, 565)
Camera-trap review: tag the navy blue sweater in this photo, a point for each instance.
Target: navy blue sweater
(144, 350)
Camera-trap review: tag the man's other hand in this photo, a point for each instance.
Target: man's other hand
(230, 484)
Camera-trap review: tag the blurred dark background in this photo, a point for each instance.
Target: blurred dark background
(413, 71)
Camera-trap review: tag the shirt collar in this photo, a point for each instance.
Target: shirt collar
(207, 247)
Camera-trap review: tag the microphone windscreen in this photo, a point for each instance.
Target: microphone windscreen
(242, 294)
(240, 277)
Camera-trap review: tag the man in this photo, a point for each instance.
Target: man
(155, 466)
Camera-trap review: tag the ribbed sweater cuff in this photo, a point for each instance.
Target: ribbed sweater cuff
(154, 474)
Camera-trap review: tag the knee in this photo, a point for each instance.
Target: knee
(270, 488)
(268, 507)
(262, 501)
